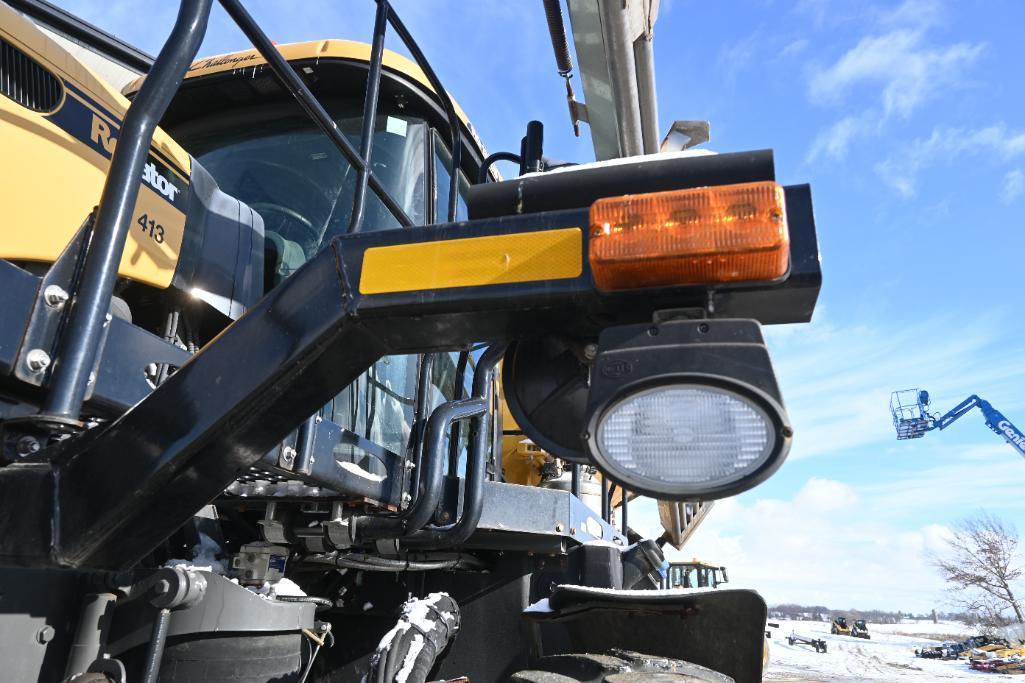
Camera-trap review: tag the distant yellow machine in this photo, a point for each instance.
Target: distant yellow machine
(840, 627)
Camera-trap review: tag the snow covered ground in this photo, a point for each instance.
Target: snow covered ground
(888, 656)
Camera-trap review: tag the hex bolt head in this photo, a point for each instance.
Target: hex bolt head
(45, 635)
(55, 296)
(590, 351)
(37, 360)
(27, 445)
(288, 454)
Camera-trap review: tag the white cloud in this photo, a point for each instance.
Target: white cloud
(1013, 187)
(734, 58)
(835, 140)
(915, 13)
(898, 59)
(909, 70)
(843, 546)
(794, 48)
(816, 548)
(944, 146)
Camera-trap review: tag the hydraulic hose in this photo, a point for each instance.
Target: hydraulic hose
(408, 652)
(388, 564)
(321, 603)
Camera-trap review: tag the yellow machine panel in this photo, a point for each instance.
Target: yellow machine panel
(56, 161)
(344, 50)
(473, 261)
(315, 49)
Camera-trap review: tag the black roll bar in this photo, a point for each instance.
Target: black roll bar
(90, 303)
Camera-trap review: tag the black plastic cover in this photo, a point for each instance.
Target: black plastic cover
(579, 188)
(222, 254)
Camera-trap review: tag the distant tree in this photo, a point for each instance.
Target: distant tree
(982, 565)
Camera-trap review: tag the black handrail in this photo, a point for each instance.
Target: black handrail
(476, 464)
(366, 141)
(90, 305)
(307, 100)
(424, 505)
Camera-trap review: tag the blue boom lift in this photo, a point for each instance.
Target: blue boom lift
(912, 419)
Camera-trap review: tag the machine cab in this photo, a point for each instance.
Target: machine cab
(694, 574)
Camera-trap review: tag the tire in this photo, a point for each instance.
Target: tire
(617, 666)
(230, 658)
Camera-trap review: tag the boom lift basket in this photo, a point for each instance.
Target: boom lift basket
(910, 418)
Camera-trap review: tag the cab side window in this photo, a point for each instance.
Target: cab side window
(442, 162)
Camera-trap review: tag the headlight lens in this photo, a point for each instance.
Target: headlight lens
(683, 436)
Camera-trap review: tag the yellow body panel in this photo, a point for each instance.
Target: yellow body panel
(314, 49)
(55, 164)
(521, 458)
(474, 261)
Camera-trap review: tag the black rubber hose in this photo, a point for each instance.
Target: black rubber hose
(482, 174)
(321, 603)
(431, 622)
(557, 30)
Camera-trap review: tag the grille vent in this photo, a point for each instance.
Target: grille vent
(26, 82)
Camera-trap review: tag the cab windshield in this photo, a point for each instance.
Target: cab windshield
(277, 161)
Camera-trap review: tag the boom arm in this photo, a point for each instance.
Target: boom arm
(995, 420)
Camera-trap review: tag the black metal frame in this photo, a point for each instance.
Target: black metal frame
(185, 443)
(106, 497)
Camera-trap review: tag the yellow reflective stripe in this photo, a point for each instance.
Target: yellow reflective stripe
(474, 261)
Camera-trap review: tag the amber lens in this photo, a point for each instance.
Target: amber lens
(709, 235)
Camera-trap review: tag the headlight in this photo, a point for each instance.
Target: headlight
(684, 410)
(685, 439)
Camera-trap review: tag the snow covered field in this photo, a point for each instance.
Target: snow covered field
(888, 656)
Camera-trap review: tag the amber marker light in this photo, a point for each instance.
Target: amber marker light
(704, 236)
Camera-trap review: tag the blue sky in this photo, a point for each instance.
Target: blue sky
(907, 119)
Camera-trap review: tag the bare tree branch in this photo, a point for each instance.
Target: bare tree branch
(981, 564)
